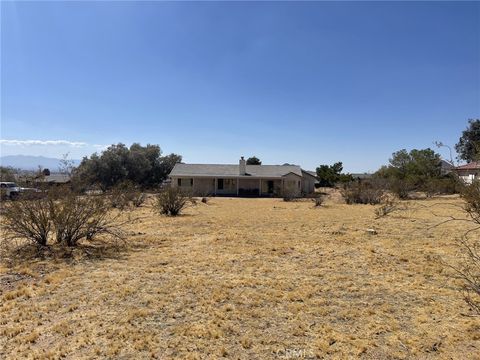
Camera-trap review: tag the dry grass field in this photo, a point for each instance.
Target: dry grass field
(249, 279)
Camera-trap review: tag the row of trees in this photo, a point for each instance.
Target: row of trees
(413, 170)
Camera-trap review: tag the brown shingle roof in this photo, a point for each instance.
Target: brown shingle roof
(474, 165)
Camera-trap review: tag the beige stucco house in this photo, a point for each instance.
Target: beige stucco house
(242, 179)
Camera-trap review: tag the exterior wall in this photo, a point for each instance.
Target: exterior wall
(203, 187)
(186, 183)
(292, 182)
(277, 187)
(468, 176)
(247, 186)
(229, 187)
(308, 184)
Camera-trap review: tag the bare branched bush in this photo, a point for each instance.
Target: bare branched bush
(122, 195)
(171, 201)
(470, 267)
(125, 195)
(28, 219)
(388, 207)
(363, 192)
(469, 272)
(471, 195)
(318, 200)
(139, 199)
(81, 217)
(63, 216)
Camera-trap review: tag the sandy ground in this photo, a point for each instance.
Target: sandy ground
(250, 279)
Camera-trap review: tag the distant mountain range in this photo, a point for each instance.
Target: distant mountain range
(27, 162)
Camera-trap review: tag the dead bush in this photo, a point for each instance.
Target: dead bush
(28, 219)
(388, 207)
(318, 200)
(123, 195)
(363, 192)
(470, 267)
(63, 216)
(139, 199)
(204, 200)
(83, 217)
(171, 201)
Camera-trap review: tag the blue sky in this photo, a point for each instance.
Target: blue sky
(306, 83)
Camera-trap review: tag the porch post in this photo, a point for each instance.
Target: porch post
(238, 184)
(259, 187)
(215, 187)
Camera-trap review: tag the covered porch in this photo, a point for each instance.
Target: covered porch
(238, 186)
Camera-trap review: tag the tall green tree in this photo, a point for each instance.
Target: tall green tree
(142, 165)
(415, 166)
(468, 146)
(253, 161)
(328, 175)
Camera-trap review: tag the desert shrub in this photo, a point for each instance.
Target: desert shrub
(122, 195)
(400, 187)
(82, 217)
(204, 200)
(469, 267)
(439, 186)
(471, 195)
(28, 219)
(363, 192)
(171, 201)
(64, 214)
(388, 207)
(139, 199)
(318, 200)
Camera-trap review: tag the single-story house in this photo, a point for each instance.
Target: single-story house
(469, 172)
(242, 179)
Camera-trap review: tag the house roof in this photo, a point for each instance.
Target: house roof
(56, 178)
(228, 170)
(446, 164)
(474, 165)
(310, 172)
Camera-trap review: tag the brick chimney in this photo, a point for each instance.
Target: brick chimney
(242, 165)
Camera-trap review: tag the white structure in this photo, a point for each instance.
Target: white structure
(242, 179)
(469, 172)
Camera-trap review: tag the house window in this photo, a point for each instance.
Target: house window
(220, 184)
(186, 182)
